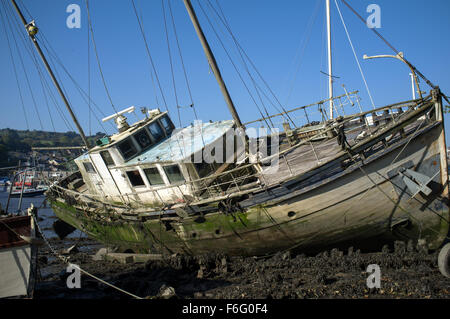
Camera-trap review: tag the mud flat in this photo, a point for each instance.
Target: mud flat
(406, 272)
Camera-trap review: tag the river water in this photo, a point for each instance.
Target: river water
(46, 217)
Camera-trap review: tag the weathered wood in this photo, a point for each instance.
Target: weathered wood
(349, 207)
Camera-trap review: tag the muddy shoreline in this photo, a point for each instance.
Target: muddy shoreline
(406, 272)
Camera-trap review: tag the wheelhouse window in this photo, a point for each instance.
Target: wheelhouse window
(153, 176)
(167, 124)
(135, 178)
(107, 158)
(157, 131)
(174, 174)
(204, 169)
(143, 139)
(89, 167)
(127, 148)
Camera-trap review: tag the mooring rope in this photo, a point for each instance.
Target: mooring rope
(66, 261)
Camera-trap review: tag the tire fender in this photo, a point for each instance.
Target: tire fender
(444, 260)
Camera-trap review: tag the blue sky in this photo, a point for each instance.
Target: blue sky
(272, 33)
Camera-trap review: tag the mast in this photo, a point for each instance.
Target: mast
(32, 30)
(412, 86)
(330, 68)
(213, 63)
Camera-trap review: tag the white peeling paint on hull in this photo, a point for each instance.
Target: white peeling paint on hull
(350, 207)
(347, 207)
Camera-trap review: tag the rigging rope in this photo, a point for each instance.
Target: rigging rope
(226, 24)
(302, 46)
(396, 51)
(141, 27)
(323, 89)
(354, 53)
(232, 62)
(170, 61)
(257, 88)
(14, 65)
(25, 41)
(89, 78)
(65, 260)
(141, 21)
(391, 46)
(32, 53)
(97, 57)
(248, 71)
(25, 72)
(85, 96)
(181, 59)
(44, 82)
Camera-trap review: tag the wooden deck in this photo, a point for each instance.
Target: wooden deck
(300, 160)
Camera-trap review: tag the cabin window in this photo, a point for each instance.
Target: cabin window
(127, 148)
(156, 130)
(89, 167)
(143, 139)
(174, 174)
(135, 178)
(204, 169)
(107, 158)
(167, 124)
(153, 176)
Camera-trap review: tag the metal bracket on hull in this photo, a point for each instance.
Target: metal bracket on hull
(416, 182)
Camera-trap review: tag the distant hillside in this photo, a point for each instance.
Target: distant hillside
(23, 141)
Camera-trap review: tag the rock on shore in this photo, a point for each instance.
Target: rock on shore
(406, 272)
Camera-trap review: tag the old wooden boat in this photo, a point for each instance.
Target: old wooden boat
(391, 184)
(372, 176)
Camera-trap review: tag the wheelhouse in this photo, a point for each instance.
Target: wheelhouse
(150, 161)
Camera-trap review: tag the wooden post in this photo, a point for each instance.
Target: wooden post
(437, 98)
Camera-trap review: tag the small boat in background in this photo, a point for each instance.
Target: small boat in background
(28, 191)
(31, 185)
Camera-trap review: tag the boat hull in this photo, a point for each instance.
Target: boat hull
(28, 194)
(365, 201)
(17, 257)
